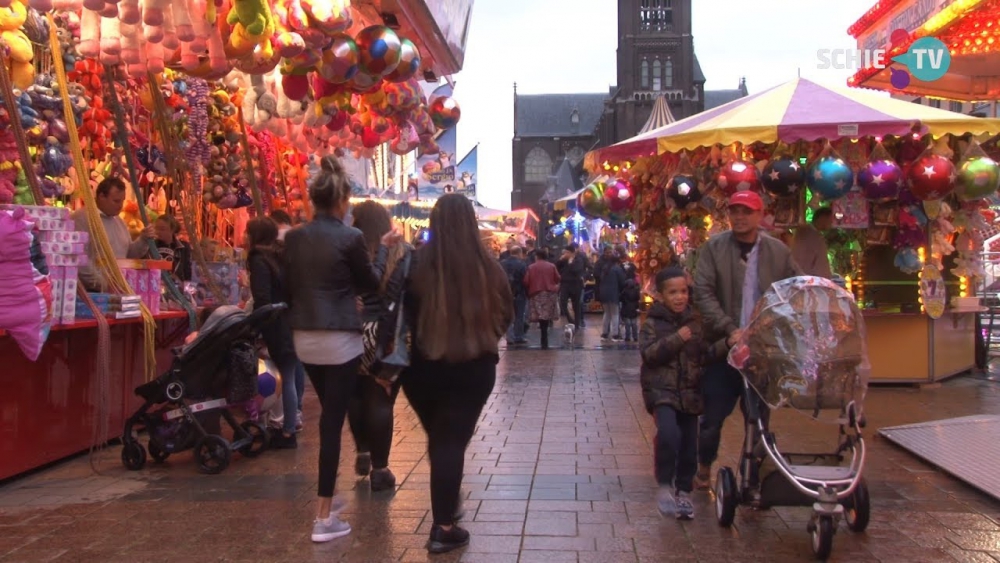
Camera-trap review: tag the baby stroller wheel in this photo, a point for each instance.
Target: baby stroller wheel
(158, 454)
(822, 537)
(261, 438)
(858, 507)
(725, 497)
(133, 456)
(212, 454)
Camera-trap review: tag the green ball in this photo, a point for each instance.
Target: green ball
(978, 177)
(591, 201)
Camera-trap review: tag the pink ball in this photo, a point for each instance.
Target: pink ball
(619, 196)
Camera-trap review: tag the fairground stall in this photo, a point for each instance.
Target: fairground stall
(211, 114)
(907, 184)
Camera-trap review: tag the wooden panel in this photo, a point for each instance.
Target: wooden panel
(897, 347)
(954, 344)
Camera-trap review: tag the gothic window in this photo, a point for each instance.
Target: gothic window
(574, 117)
(575, 155)
(668, 74)
(657, 75)
(656, 15)
(644, 73)
(537, 166)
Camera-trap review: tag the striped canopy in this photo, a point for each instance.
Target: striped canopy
(659, 117)
(795, 111)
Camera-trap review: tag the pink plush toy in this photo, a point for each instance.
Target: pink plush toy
(26, 299)
(90, 34)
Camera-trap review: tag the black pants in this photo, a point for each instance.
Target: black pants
(370, 415)
(448, 399)
(335, 387)
(543, 327)
(722, 388)
(675, 453)
(573, 294)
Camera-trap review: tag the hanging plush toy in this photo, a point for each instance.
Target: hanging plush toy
(19, 50)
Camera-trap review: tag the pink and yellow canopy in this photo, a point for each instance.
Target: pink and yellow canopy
(796, 111)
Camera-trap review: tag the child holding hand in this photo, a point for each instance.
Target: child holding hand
(674, 352)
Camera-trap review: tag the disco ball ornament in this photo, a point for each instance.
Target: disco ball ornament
(619, 196)
(738, 176)
(931, 177)
(783, 177)
(881, 179)
(591, 201)
(339, 63)
(444, 112)
(380, 49)
(409, 63)
(978, 177)
(830, 177)
(683, 190)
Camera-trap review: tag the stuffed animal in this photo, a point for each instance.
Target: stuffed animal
(19, 50)
(254, 15)
(329, 16)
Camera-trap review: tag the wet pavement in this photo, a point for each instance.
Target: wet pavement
(560, 470)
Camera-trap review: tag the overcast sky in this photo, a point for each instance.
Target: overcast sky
(563, 46)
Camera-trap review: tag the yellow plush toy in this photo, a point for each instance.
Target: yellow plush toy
(22, 71)
(255, 15)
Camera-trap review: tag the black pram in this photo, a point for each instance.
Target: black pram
(218, 369)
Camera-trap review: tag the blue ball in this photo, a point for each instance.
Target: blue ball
(830, 177)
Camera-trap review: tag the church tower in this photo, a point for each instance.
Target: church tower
(655, 58)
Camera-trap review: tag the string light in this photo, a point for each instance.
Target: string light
(875, 13)
(922, 255)
(963, 286)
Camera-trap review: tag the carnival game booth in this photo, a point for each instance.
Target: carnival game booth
(907, 184)
(970, 29)
(211, 113)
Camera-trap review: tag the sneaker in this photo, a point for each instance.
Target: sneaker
(298, 421)
(685, 508)
(665, 502)
(443, 541)
(363, 464)
(329, 529)
(281, 442)
(703, 479)
(382, 479)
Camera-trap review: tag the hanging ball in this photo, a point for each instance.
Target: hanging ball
(380, 49)
(931, 177)
(978, 177)
(738, 176)
(881, 179)
(409, 63)
(340, 61)
(783, 177)
(683, 190)
(591, 201)
(445, 112)
(830, 177)
(619, 196)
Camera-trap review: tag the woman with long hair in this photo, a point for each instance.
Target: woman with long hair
(268, 286)
(542, 285)
(370, 411)
(458, 304)
(328, 267)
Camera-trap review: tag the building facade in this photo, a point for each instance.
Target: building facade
(977, 109)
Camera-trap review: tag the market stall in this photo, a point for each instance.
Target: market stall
(906, 184)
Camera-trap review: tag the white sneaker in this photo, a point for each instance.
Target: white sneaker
(665, 502)
(685, 508)
(329, 529)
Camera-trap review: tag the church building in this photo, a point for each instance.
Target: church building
(656, 59)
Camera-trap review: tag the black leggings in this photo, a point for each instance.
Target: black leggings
(370, 415)
(448, 399)
(334, 386)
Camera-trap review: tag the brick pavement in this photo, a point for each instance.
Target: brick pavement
(559, 470)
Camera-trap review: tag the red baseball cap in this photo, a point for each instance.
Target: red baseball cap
(747, 199)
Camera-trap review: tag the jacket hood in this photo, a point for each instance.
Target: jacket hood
(660, 311)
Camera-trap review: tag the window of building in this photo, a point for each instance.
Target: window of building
(656, 15)
(957, 107)
(668, 74)
(574, 117)
(644, 73)
(537, 166)
(657, 75)
(575, 155)
(936, 104)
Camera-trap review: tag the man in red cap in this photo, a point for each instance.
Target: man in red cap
(733, 271)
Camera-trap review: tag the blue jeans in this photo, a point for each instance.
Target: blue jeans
(675, 452)
(722, 389)
(300, 384)
(631, 328)
(515, 333)
(290, 398)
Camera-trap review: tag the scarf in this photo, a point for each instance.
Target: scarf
(751, 286)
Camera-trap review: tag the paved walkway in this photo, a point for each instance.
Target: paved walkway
(559, 470)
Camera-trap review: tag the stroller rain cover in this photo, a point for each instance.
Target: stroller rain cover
(805, 347)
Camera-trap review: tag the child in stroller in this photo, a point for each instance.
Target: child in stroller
(181, 408)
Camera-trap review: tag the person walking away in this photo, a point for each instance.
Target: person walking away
(734, 269)
(529, 248)
(268, 286)
(543, 285)
(809, 248)
(674, 351)
(572, 268)
(110, 199)
(629, 309)
(370, 412)
(284, 222)
(458, 305)
(516, 268)
(609, 290)
(171, 248)
(328, 266)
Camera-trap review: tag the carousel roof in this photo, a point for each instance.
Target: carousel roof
(659, 117)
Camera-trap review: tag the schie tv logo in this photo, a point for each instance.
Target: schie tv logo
(927, 59)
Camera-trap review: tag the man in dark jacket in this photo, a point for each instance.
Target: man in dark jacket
(516, 269)
(609, 290)
(572, 268)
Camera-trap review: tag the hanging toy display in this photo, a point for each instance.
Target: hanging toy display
(783, 177)
(881, 180)
(619, 196)
(830, 177)
(409, 63)
(380, 50)
(445, 112)
(683, 190)
(738, 176)
(931, 177)
(978, 177)
(591, 201)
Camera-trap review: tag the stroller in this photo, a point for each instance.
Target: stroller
(181, 408)
(804, 348)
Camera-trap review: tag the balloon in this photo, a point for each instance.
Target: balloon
(295, 86)
(830, 177)
(337, 121)
(783, 177)
(339, 63)
(445, 112)
(405, 141)
(591, 200)
(268, 384)
(978, 177)
(683, 190)
(738, 176)
(619, 196)
(881, 179)
(931, 177)
(380, 49)
(369, 138)
(409, 63)
(362, 82)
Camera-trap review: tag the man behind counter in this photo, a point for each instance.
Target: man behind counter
(110, 198)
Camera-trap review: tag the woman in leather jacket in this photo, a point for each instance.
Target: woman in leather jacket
(328, 266)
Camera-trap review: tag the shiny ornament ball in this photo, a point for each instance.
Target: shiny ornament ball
(931, 177)
(978, 177)
(881, 179)
(445, 112)
(364, 83)
(783, 177)
(738, 176)
(268, 384)
(340, 62)
(619, 196)
(830, 177)
(409, 63)
(591, 200)
(380, 49)
(683, 190)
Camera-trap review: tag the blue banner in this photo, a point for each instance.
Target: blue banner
(465, 174)
(435, 173)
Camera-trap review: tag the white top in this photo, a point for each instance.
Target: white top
(810, 253)
(327, 347)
